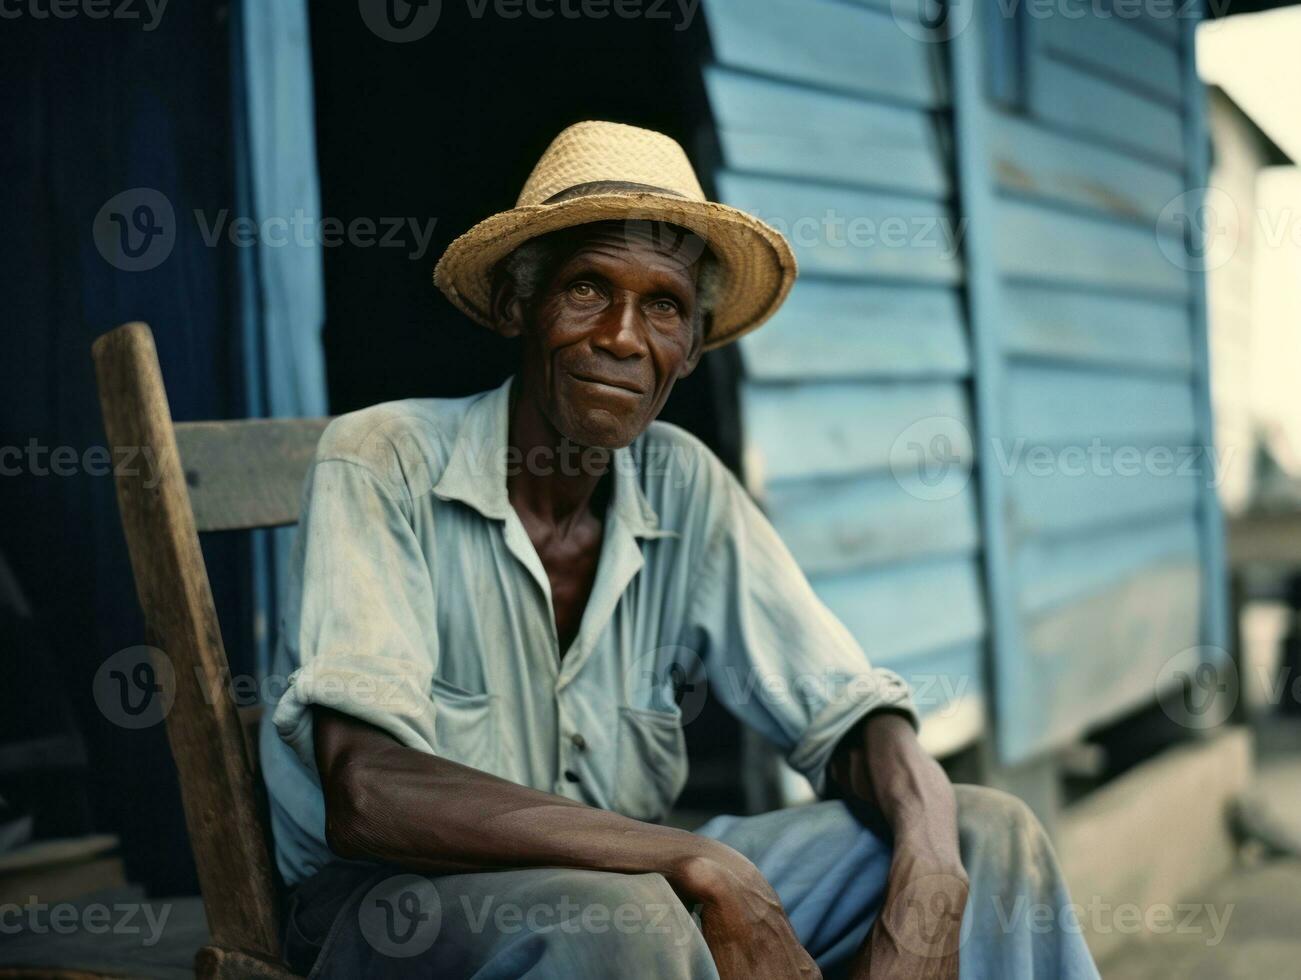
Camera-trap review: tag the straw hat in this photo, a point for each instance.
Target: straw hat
(603, 171)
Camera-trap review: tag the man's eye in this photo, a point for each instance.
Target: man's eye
(582, 290)
(664, 307)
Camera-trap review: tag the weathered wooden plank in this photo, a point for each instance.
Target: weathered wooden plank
(1064, 407)
(1057, 571)
(822, 42)
(903, 611)
(832, 329)
(834, 525)
(1094, 328)
(807, 430)
(1037, 243)
(220, 796)
(247, 473)
(772, 127)
(1083, 103)
(1095, 660)
(1111, 48)
(835, 157)
(853, 234)
(1086, 494)
(1029, 159)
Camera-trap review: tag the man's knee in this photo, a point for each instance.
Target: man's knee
(998, 827)
(627, 922)
(642, 905)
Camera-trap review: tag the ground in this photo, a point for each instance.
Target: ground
(1261, 898)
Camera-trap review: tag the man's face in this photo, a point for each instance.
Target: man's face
(612, 330)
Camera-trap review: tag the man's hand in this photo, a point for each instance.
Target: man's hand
(919, 929)
(743, 922)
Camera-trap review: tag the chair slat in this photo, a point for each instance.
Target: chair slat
(248, 473)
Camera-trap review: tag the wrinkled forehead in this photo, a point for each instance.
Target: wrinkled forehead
(655, 244)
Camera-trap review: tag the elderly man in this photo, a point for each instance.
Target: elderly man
(499, 603)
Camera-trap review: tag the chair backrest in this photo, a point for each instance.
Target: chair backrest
(205, 476)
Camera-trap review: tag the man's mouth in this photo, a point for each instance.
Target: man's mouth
(614, 384)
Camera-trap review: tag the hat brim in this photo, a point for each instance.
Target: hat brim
(758, 267)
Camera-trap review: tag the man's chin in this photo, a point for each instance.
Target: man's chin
(598, 429)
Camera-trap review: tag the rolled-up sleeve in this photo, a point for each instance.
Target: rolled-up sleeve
(361, 611)
(773, 653)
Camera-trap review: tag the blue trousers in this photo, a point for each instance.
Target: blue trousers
(828, 863)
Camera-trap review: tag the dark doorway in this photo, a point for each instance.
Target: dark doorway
(448, 127)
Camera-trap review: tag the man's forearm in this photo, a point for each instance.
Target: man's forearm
(912, 791)
(387, 802)
(917, 933)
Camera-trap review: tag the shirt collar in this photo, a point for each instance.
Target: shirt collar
(475, 473)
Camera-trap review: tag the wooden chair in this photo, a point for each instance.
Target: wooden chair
(206, 476)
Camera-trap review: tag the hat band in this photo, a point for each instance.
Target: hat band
(610, 187)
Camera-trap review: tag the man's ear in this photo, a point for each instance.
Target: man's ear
(507, 309)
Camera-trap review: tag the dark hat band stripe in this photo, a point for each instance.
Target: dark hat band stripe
(610, 187)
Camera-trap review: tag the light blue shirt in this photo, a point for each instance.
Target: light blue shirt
(418, 604)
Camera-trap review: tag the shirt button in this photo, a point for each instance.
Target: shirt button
(580, 743)
(571, 775)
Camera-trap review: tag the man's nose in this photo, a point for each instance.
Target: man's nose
(620, 331)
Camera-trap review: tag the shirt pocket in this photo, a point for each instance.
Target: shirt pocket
(651, 762)
(465, 725)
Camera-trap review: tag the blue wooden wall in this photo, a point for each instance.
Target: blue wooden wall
(1067, 329)
(828, 114)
